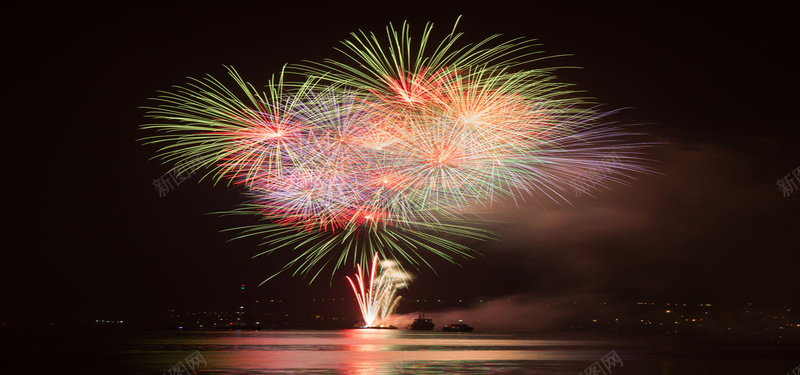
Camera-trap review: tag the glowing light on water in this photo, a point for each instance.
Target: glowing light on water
(376, 296)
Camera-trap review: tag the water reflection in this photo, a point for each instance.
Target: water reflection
(360, 351)
(397, 352)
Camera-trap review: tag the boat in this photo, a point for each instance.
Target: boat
(422, 323)
(460, 327)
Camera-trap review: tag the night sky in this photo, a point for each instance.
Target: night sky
(91, 237)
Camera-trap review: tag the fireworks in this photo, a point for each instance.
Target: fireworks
(376, 296)
(395, 150)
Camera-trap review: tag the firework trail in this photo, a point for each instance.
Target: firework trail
(396, 149)
(376, 295)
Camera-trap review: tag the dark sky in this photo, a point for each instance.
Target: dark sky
(90, 235)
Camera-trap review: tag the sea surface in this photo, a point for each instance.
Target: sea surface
(383, 352)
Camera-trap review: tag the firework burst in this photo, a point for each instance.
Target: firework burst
(376, 295)
(395, 149)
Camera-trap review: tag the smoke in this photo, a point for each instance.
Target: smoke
(519, 312)
(392, 272)
(712, 205)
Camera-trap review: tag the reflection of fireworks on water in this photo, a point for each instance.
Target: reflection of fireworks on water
(376, 295)
(394, 148)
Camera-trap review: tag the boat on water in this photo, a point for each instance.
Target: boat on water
(460, 327)
(422, 323)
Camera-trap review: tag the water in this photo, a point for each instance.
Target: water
(391, 352)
